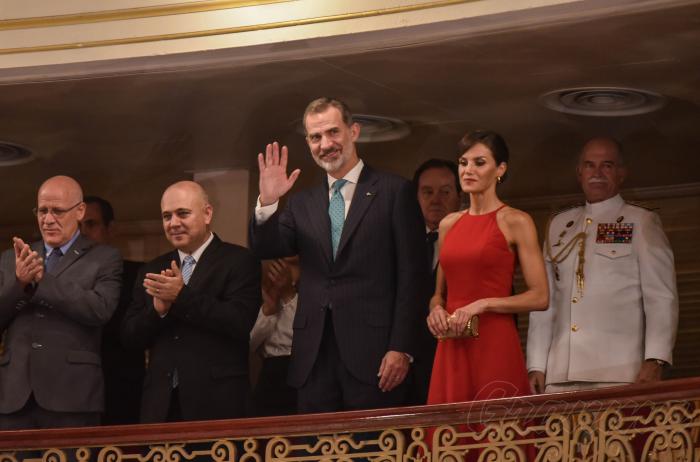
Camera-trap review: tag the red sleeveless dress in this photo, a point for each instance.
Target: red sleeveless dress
(477, 263)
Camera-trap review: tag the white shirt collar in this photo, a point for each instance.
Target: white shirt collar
(352, 176)
(197, 253)
(604, 207)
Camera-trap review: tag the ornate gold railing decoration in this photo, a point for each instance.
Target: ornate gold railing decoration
(647, 423)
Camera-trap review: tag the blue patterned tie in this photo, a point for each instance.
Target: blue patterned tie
(53, 259)
(187, 268)
(336, 210)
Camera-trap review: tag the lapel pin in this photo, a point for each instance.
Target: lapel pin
(368, 193)
(76, 252)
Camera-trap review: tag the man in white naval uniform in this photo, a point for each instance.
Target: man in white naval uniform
(613, 310)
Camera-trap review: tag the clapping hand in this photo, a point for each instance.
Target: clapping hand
(164, 287)
(277, 284)
(29, 266)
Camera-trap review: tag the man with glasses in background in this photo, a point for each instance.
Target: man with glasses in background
(55, 296)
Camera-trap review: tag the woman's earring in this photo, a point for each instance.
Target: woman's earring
(499, 180)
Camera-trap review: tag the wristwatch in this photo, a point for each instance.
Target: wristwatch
(659, 362)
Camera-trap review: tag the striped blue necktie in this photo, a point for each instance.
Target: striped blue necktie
(187, 268)
(336, 211)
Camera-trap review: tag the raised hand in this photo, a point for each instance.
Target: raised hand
(274, 182)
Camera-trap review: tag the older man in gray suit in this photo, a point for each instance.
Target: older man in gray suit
(55, 295)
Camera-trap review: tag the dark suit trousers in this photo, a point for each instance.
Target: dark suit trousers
(33, 416)
(272, 395)
(331, 387)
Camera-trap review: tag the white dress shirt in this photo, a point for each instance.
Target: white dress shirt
(274, 332)
(263, 213)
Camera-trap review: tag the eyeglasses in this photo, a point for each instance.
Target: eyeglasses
(57, 213)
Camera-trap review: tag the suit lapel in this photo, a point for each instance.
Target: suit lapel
(205, 264)
(317, 210)
(79, 248)
(365, 192)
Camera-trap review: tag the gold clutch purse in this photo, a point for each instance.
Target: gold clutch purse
(471, 330)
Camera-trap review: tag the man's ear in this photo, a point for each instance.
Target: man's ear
(355, 130)
(623, 174)
(208, 213)
(80, 210)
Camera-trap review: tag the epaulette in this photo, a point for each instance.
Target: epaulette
(566, 208)
(643, 205)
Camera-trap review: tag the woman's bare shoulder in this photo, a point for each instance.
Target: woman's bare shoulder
(515, 218)
(449, 220)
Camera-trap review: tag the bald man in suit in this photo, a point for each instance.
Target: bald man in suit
(194, 313)
(55, 296)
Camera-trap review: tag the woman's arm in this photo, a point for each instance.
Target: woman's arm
(437, 319)
(520, 232)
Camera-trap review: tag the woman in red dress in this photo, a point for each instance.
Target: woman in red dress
(478, 251)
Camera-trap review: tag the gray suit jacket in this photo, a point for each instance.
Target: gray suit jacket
(52, 342)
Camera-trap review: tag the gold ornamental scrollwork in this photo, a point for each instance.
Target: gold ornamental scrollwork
(633, 432)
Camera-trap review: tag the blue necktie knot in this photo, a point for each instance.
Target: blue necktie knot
(53, 259)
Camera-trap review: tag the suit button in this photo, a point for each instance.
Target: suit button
(575, 300)
(40, 315)
(37, 346)
(574, 328)
(176, 337)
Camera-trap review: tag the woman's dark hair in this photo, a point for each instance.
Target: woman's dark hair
(492, 140)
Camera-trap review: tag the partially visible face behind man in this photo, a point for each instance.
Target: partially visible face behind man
(93, 225)
(331, 141)
(437, 195)
(186, 214)
(60, 208)
(600, 171)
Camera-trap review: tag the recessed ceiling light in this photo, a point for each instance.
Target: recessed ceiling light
(375, 128)
(14, 154)
(603, 101)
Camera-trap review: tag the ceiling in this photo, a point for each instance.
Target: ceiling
(127, 135)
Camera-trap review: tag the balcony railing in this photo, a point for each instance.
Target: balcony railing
(650, 422)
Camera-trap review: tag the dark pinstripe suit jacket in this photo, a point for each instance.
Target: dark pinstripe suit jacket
(376, 285)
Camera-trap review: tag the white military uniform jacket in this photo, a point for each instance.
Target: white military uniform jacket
(627, 310)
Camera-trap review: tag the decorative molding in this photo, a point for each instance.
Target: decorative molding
(131, 13)
(235, 29)
(634, 194)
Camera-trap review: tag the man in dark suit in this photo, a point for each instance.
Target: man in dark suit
(50, 374)
(123, 367)
(359, 236)
(194, 314)
(437, 184)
